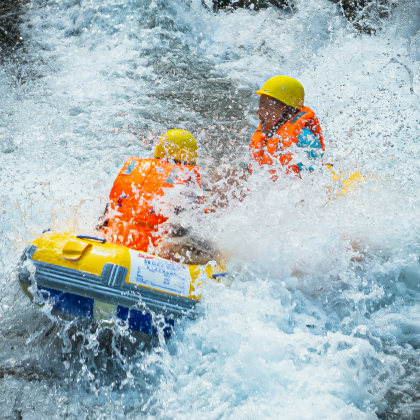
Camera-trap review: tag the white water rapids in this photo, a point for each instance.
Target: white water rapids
(320, 318)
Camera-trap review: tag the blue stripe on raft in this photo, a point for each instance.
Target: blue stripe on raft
(137, 321)
(68, 303)
(82, 307)
(142, 322)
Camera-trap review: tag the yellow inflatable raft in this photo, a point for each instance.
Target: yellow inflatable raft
(87, 277)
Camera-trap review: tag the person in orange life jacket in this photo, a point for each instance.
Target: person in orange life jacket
(285, 122)
(131, 218)
(134, 218)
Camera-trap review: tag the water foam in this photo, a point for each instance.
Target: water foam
(319, 316)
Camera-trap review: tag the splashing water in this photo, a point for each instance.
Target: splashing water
(320, 316)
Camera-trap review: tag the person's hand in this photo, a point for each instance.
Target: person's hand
(227, 185)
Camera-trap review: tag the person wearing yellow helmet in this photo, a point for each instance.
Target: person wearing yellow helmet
(133, 215)
(285, 121)
(177, 145)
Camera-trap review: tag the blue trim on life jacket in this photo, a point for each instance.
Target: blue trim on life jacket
(172, 177)
(307, 139)
(297, 116)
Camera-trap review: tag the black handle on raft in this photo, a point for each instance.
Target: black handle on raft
(215, 276)
(92, 238)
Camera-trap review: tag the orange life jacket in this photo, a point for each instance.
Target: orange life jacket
(132, 220)
(274, 150)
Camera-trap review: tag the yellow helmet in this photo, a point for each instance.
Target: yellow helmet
(285, 89)
(177, 144)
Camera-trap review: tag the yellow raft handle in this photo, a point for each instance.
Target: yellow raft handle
(73, 250)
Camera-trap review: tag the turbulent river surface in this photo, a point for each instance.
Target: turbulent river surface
(320, 316)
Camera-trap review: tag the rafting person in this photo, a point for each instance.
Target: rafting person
(138, 211)
(285, 123)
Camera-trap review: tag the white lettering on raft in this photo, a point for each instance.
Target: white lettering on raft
(157, 273)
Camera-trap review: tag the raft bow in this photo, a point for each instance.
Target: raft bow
(87, 277)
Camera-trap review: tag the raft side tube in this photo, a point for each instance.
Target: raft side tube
(109, 287)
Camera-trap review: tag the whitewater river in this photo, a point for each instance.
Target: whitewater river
(320, 317)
